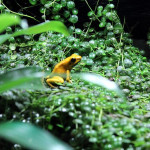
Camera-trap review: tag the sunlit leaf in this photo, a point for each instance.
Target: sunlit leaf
(31, 137)
(56, 26)
(101, 81)
(22, 78)
(8, 20)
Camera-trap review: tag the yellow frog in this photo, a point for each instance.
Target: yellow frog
(62, 70)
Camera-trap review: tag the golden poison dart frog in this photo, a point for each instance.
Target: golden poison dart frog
(62, 70)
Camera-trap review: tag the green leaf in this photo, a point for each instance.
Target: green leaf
(22, 78)
(56, 26)
(31, 136)
(4, 37)
(7, 20)
(101, 81)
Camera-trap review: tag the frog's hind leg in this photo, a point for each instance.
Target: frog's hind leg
(54, 80)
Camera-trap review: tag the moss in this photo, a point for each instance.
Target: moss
(83, 115)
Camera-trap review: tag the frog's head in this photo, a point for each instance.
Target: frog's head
(73, 60)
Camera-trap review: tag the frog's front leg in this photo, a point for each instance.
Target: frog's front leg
(68, 77)
(54, 80)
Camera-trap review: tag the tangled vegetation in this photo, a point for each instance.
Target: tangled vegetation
(84, 115)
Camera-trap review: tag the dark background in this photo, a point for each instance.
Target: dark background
(135, 14)
(137, 21)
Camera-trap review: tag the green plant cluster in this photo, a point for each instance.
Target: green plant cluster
(83, 115)
(61, 10)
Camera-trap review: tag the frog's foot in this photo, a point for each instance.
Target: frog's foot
(47, 77)
(70, 81)
(54, 80)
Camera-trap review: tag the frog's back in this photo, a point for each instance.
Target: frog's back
(59, 69)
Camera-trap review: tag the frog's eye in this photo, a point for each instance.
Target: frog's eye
(73, 59)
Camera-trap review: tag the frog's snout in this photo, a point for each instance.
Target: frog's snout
(79, 58)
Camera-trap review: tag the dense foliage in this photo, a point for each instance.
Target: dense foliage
(83, 115)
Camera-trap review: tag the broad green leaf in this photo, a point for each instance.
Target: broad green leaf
(30, 136)
(7, 20)
(101, 81)
(22, 78)
(56, 26)
(4, 37)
